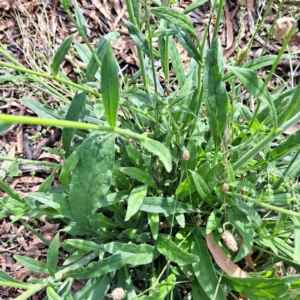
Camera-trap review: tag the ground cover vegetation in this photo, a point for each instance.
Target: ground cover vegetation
(179, 181)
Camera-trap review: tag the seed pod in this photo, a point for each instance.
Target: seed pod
(225, 187)
(117, 294)
(283, 26)
(186, 155)
(229, 241)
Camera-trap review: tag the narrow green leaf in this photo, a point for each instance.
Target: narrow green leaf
(167, 206)
(176, 18)
(245, 186)
(296, 239)
(110, 86)
(52, 255)
(60, 54)
(176, 62)
(193, 6)
(139, 175)
(161, 151)
(153, 219)
(205, 272)
(257, 288)
(45, 186)
(96, 288)
(82, 244)
(187, 43)
(214, 221)
(138, 38)
(119, 179)
(79, 18)
(244, 226)
(102, 267)
(100, 49)
(163, 289)
(9, 191)
(135, 201)
(202, 188)
(91, 177)
(215, 95)
(172, 252)
(69, 165)
(292, 108)
(73, 114)
(32, 264)
(5, 277)
(65, 4)
(198, 292)
(256, 87)
(52, 295)
(286, 146)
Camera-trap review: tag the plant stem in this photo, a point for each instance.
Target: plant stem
(18, 285)
(265, 205)
(22, 161)
(35, 288)
(62, 123)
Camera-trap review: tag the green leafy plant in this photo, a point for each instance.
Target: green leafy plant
(146, 196)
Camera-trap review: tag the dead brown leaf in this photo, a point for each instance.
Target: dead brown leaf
(221, 259)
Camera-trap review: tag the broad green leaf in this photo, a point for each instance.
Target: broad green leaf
(135, 201)
(73, 114)
(244, 226)
(52, 255)
(172, 252)
(139, 175)
(32, 264)
(161, 151)
(102, 267)
(202, 188)
(95, 289)
(286, 146)
(205, 272)
(214, 221)
(215, 95)
(100, 50)
(167, 206)
(143, 254)
(153, 219)
(176, 18)
(60, 54)
(163, 289)
(193, 6)
(52, 295)
(296, 239)
(110, 86)
(176, 62)
(257, 288)
(245, 186)
(91, 177)
(198, 292)
(256, 87)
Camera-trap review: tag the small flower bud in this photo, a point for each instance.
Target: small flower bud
(186, 155)
(117, 294)
(283, 26)
(229, 241)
